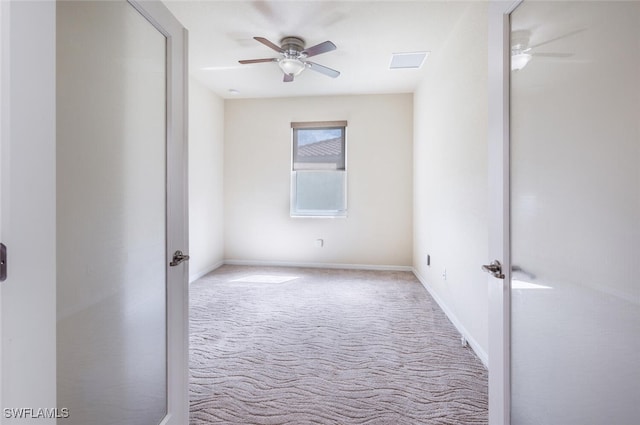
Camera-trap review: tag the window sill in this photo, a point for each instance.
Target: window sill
(293, 215)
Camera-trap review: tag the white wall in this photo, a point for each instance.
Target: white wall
(206, 147)
(450, 176)
(378, 230)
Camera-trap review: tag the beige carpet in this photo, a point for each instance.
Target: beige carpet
(314, 346)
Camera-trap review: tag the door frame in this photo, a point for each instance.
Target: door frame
(177, 212)
(499, 246)
(4, 85)
(27, 201)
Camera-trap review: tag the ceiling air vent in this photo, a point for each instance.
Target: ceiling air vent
(412, 60)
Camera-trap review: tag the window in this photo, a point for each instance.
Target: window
(318, 169)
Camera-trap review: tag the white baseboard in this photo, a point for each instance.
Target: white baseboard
(318, 265)
(482, 355)
(197, 275)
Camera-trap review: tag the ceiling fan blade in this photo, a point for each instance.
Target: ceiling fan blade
(323, 69)
(533, 46)
(325, 47)
(247, 61)
(269, 44)
(264, 8)
(552, 55)
(287, 78)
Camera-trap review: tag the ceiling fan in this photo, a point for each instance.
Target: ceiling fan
(293, 57)
(522, 51)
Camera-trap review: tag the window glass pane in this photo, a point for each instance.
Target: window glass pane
(318, 180)
(319, 192)
(319, 148)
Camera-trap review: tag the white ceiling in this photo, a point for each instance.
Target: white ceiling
(366, 34)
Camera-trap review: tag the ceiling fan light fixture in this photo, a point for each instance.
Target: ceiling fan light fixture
(519, 61)
(291, 66)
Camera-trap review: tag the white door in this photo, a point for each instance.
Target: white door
(121, 214)
(570, 337)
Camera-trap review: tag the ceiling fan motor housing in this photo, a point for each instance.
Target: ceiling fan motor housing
(292, 46)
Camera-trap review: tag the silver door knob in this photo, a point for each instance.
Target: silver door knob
(494, 269)
(178, 257)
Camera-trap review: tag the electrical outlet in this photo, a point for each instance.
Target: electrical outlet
(444, 274)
